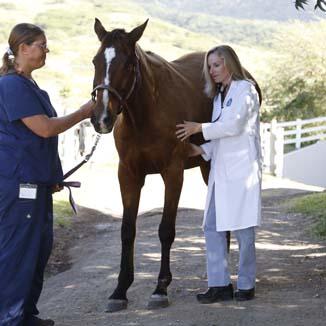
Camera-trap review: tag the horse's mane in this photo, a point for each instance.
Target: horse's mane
(151, 61)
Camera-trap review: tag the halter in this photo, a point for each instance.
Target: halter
(112, 90)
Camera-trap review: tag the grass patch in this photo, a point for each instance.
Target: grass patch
(62, 213)
(313, 205)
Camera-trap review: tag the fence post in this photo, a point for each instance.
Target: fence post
(279, 152)
(276, 149)
(265, 136)
(272, 146)
(298, 134)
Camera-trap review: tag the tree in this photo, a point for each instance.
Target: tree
(295, 87)
(320, 4)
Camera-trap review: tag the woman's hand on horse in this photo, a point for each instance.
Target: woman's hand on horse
(187, 128)
(88, 108)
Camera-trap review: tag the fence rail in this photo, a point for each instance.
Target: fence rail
(276, 135)
(302, 122)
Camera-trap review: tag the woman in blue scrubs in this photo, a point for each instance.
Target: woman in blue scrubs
(30, 170)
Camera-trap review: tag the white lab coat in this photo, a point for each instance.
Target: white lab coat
(235, 154)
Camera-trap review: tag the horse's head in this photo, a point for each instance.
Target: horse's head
(116, 70)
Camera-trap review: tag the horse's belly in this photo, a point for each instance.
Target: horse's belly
(193, 162)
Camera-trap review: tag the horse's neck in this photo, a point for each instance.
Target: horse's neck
(147, 79)
(140, 106)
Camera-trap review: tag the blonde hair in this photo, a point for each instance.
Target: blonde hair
(21, 33)
(231, 62)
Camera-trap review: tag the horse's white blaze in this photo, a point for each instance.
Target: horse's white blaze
(109, 55)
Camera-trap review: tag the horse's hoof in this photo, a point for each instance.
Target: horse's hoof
(158, 301)
(116, 305)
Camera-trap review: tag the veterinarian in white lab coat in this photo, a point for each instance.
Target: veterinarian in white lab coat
(234, 187)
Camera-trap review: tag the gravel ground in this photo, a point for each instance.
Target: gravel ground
(291, 279)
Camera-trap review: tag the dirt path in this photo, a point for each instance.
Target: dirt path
(291, 280)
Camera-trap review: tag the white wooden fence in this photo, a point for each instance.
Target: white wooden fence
(276, 135)
(75, 143)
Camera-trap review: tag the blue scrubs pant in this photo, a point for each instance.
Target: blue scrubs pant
(26, 237)
(217, 255)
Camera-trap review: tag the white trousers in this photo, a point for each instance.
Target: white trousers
(217, 256)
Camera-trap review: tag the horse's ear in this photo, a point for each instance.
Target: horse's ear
(137, 32)
(99, 29)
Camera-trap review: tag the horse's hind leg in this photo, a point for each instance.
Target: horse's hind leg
(173, 179)
(130, 186)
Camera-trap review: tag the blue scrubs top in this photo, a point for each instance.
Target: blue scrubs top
(24, 155)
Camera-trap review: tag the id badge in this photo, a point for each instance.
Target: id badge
(27, 191)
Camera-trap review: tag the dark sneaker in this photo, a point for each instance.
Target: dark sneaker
(244, 295)
(36, 321)
(215, 294)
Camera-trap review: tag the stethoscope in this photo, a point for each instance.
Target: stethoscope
(221, 91)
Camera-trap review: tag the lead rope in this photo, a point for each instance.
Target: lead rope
(77, 184)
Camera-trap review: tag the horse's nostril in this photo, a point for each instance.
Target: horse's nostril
(106, 120)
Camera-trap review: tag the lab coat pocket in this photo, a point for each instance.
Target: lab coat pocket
(237, 164)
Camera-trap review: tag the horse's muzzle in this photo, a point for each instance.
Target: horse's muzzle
(101, 127)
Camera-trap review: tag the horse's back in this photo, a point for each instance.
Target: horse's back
(188, 67)
(191, 65)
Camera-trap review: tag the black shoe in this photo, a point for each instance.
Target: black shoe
(36, 321)
(215, 294)
(244, 295)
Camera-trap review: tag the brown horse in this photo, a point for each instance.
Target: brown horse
(143, 97)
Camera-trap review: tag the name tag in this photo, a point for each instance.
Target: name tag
(27, 191)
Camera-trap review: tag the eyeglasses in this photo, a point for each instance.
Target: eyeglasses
(42, 46)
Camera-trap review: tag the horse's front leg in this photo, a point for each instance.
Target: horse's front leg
(130, 187)
(173, 179)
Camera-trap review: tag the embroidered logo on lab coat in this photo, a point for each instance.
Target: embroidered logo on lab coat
(229, 102)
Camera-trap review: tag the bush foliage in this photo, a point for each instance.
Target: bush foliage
(296, 86)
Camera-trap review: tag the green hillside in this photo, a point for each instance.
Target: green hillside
(276, 10)
(174, 28)
(73, 43)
